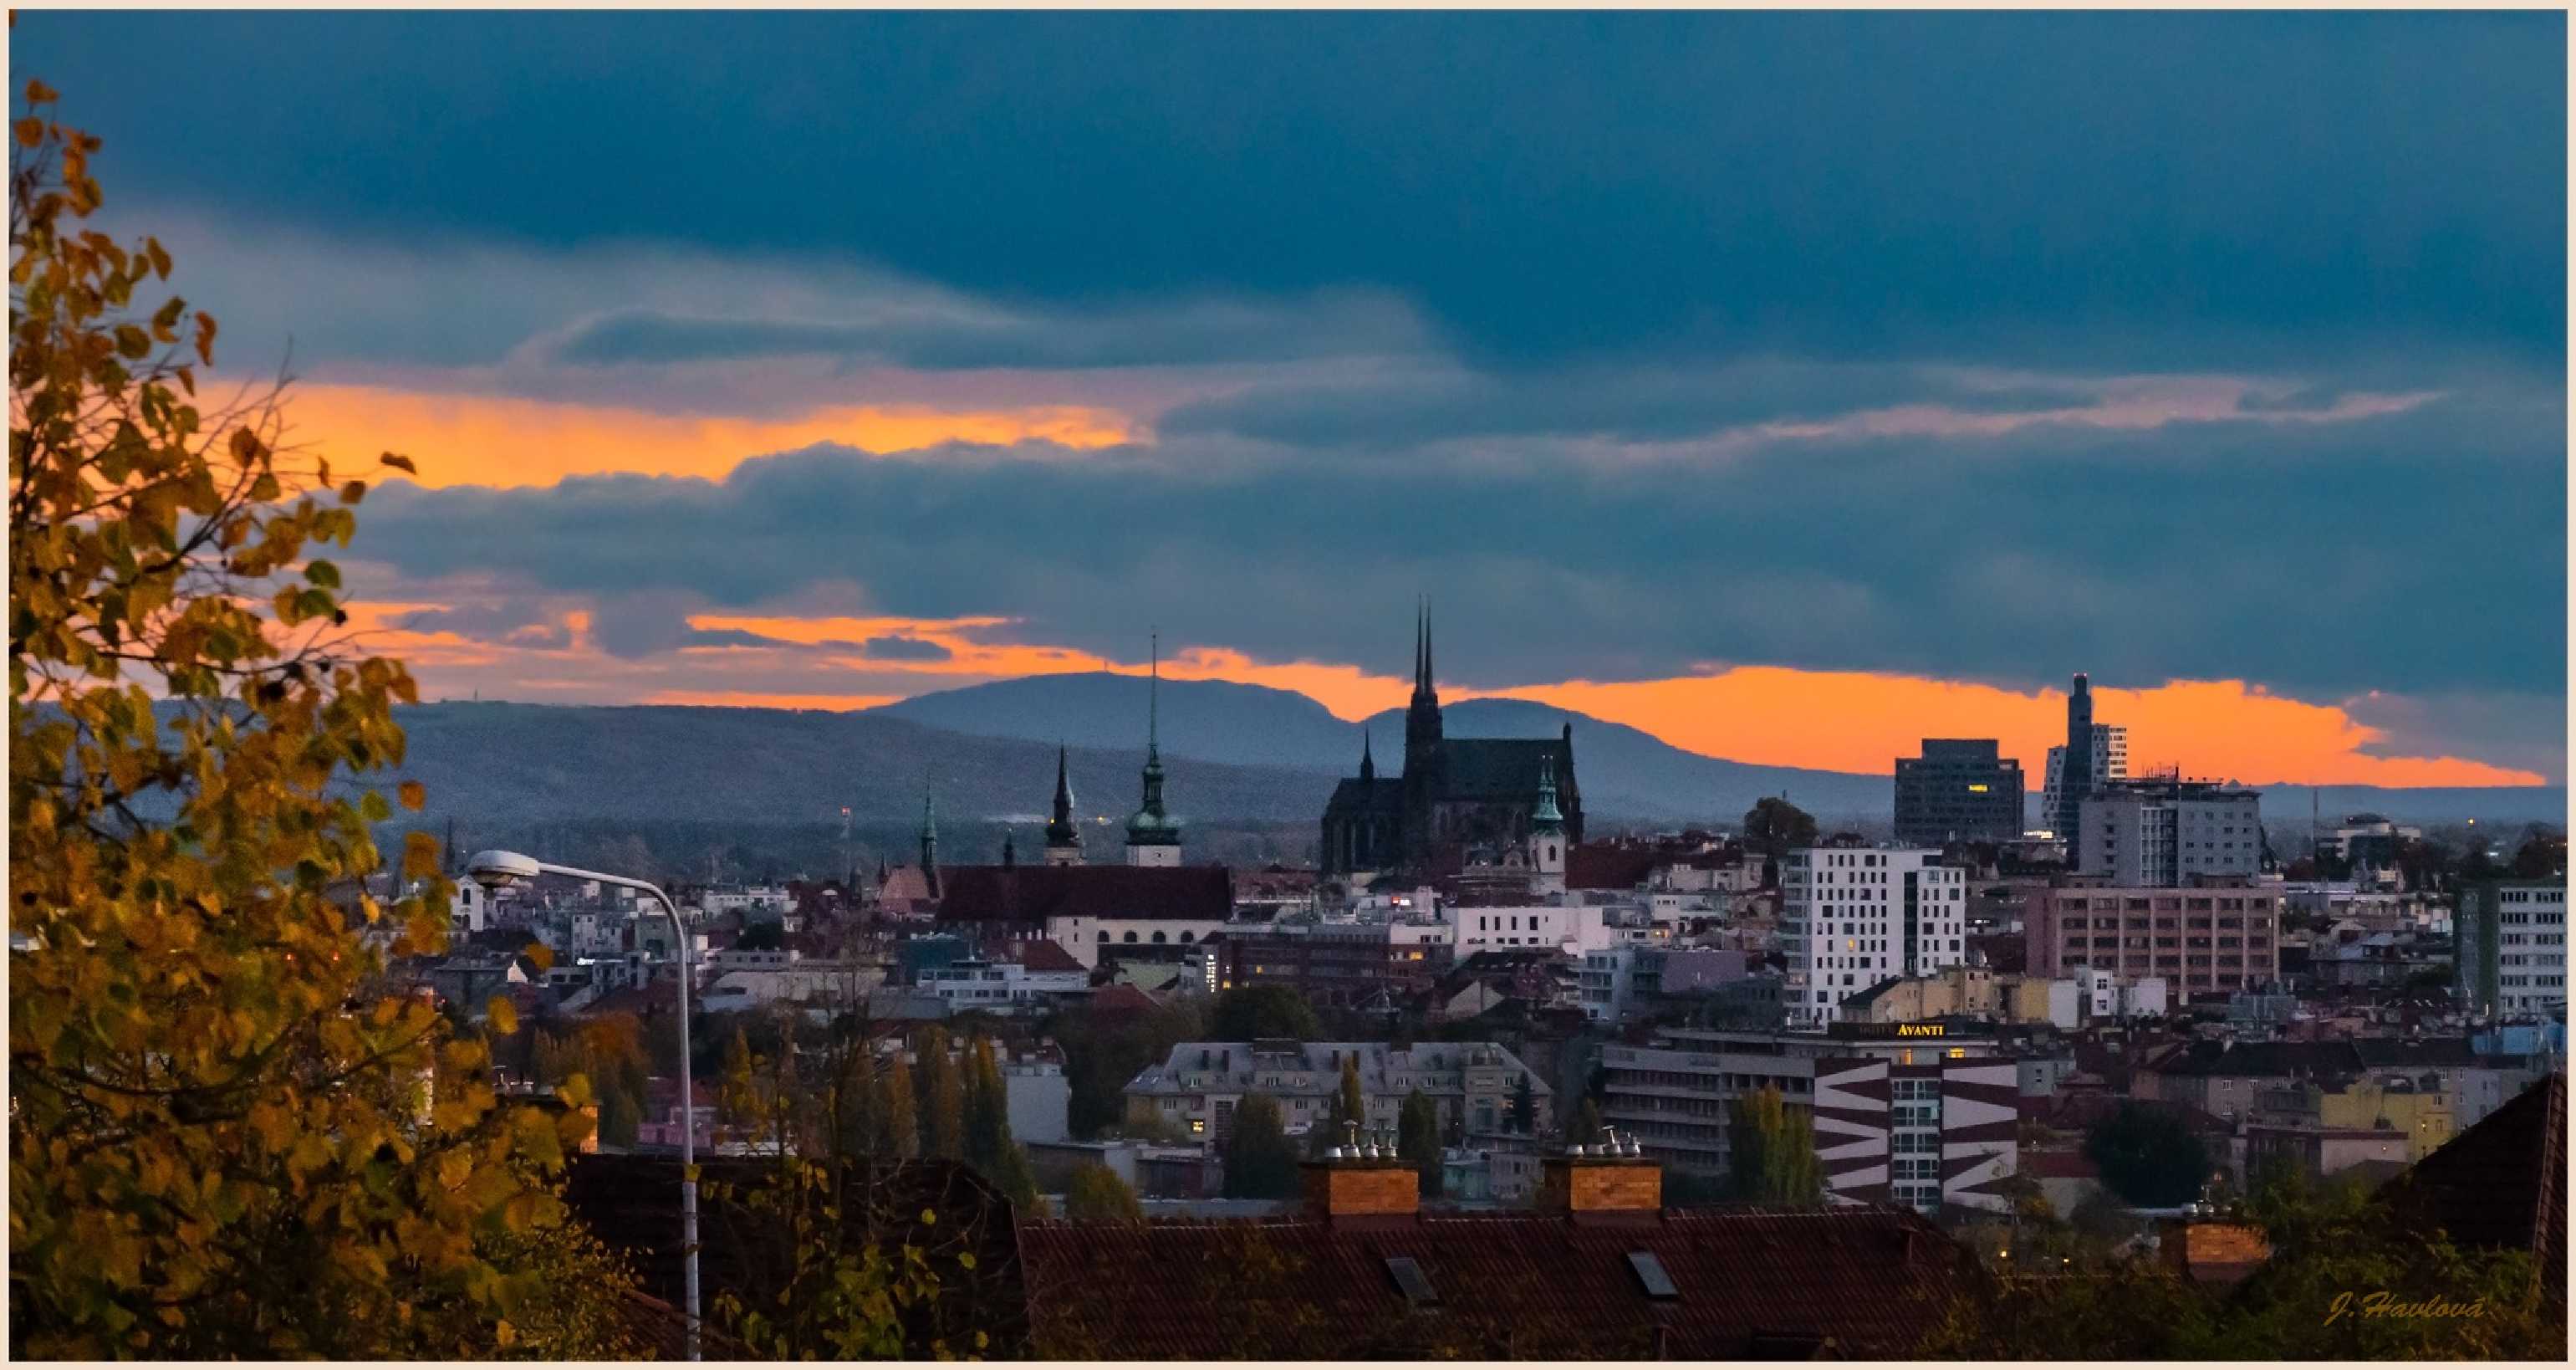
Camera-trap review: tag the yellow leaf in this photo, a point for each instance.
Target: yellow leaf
(504, 1015)
(411, 794)
(399, 463)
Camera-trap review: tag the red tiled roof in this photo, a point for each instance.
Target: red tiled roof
(1033, 894)
(1037, 955)
(1600, 866)
(1123, 999)
(1526, 1285)
(2058, 1165)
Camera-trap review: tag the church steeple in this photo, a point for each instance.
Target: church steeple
(1153, 839)
(929, 840)
(1368, 762)
(1422, 716)
(1063, 835)
(1547, 835)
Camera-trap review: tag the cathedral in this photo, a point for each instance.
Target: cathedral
(1460, 802)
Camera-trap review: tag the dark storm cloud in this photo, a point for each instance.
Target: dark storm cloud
(939, 339)
(2166, 190)
(905, 649)
(2270, 552)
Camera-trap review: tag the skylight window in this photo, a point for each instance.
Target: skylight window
(1409, 1278)
(1650, 1274)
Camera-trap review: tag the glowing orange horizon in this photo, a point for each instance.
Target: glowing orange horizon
(1848, 721)
(508, 443)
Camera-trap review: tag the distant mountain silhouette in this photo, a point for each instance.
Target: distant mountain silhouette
(1626, 773)
(769, 784)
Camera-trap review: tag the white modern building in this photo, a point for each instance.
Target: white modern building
(1851, 917)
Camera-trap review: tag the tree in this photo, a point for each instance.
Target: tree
(1772, 1149)
(1583, 1126)
(229, 1136)
(1095, 1194)
(1524, 1113)
(1259, 1162)
(1350, 1106)
(941, 1096)
(2148, 1157)
(897, 1131)
(987, 1109)
(2543, 853)
(1774, 826)
(1256, 1012)
(1417, 1140)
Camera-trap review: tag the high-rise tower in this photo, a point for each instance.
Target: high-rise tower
(2078, 778)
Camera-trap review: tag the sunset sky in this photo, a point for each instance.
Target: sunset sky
(1792, 388)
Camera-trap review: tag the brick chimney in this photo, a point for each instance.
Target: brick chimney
(2211, 1248)
(1363, 1178)
(1602, 1177)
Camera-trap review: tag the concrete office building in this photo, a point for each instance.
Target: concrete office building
(2168, 832)
(1958, 790)
(1851, 917)
(2513, 948)
(2205, 939)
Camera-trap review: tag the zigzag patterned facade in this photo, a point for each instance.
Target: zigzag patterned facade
(1941, 1131)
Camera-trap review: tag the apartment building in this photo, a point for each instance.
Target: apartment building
(1851, 917)
(1197, 1087)
(2513, 948)
(2200, 939)
(2168, 832)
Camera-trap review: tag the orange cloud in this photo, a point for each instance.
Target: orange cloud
(1861, 721)
(500, 441)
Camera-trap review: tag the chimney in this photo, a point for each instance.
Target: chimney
(1602, 1178)
(2207, 1247)
(1362, 1180)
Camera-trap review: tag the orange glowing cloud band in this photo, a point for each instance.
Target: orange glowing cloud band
(1847, 721)
(499, 441)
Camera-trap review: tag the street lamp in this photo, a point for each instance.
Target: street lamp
(504, 868)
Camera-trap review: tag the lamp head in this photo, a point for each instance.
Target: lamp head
(500, 869)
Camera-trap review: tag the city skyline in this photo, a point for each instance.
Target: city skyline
(1821, 429)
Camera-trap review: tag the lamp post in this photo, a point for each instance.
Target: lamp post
(508, 868)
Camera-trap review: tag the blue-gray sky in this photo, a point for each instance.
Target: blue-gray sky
(1969, 349)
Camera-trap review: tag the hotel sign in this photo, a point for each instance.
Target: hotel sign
(1922, 1029)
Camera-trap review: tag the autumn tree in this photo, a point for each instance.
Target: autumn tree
(896, 1129)
(1772, 1150)
(1095, 1194)
(230, 1136)
(1349, 1107)
(940, 1096)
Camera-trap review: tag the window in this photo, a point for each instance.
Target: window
(1651, 1276)
(1409, 1279)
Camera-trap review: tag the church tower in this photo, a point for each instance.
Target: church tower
(929, 844)
(1153, 839)
(1425, 768)
(1063, 835)
(1547, 836)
